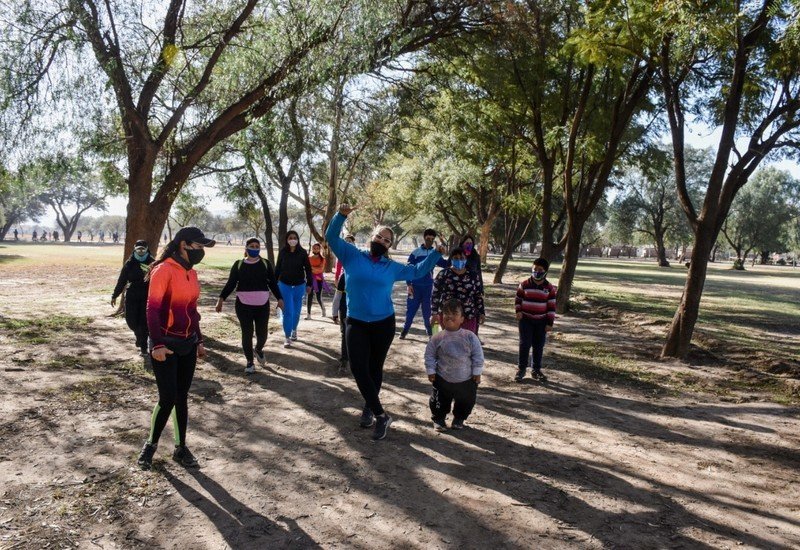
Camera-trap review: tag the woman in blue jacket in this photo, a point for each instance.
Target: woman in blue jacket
(370, 311)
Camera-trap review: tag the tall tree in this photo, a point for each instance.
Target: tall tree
(205, 71)
(737, 65)
(20, 198)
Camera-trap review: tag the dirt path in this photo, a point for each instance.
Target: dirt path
(590, 460)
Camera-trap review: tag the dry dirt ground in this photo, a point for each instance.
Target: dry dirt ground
(598, 458)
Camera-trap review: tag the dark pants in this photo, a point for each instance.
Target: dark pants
(173, 377)
(343, 325)
(531, 334)
(422, 297)
(136, 317)
(310, 298)
(444, 393)
(367, 346)
(250, 318)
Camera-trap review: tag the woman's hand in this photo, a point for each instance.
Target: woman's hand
(519, 315)
(160, 354)
(441, 249)
(218, 307)
(432, 378)
(201, 351)
(345, 209)
(280, 304)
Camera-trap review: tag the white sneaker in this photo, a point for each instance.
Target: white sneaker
(250, 368)
(287, 343)
(294, 336)
(308, 317)
(262, 359)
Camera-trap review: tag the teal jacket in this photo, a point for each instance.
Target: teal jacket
(370, 280)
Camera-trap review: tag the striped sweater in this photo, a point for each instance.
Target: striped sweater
(536, 300)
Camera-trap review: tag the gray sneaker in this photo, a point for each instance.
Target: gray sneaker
(367, 418)
(262, 359)
(457, 424)
(439, 425)
(382, 424)
(183, 456)
(250, 368)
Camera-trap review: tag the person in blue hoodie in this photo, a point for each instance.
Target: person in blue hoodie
(420, 290)
(370, 312)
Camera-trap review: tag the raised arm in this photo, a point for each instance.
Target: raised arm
(343, 249)
(413, 272)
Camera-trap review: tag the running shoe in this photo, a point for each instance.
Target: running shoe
(539, 376)
(519, 376)
(457, 424)
(367, 418)
(250, 368)
(382, 424)
(294, 336)
(145, 461)
(184, 457)
(439, 425)
(344, 366)
(403, 335)
(287, 343)
(308, 317)
(262, 360)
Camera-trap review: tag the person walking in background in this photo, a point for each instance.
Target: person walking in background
(293, 272)
(35, 236)
(317, 263)
(80, 235)
(253, 279)
(456, 282)
(176, 341)
(419, 290)
(339, 308)
(370, 311)
(535, 306)
(133, 275)
(454, 363)
(55, 236)
(16, 235)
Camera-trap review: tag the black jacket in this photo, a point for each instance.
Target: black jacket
(133, 273)
(256, 276)
(293, 268)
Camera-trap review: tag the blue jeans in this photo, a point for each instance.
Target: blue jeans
(292, 305)
(422, 297)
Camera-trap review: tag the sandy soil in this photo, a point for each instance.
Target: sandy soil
(586, 461)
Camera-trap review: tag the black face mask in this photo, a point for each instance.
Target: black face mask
(195, 256)
(377, 249)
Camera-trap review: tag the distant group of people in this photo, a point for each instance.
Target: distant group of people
(54, 236)
(161, 310)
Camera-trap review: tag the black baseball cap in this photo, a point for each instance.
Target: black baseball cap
(193, 235)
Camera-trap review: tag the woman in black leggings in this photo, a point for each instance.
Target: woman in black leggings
(254, 279)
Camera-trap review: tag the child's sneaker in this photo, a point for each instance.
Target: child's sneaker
(250, 368)
(439, 425)
(457, 424)
(382, 424)
(539, 376)
(519, 376)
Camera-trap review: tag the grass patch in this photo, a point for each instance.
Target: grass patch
(43, 329)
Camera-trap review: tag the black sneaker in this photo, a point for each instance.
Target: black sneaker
(457, 424)
(184, 457)
(439, 425)
(538, 375)
(145, 461)
(519, 376)
(344, 366)
(367, 418)
(381, 426)
(403, 335)
(262, 360)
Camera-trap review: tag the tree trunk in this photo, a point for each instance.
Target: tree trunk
(661, 250)
(764, 257)
(4, 229)
(501, 269)
(268, 240)
(568, 267)
(680, 332)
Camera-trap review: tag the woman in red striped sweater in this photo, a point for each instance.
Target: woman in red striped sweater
(536, 310)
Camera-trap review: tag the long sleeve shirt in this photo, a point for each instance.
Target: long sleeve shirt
(251, 277)
(454, 355)
(293, 268)
(417, 257)
(466, 288)
(536, 300)
(172, 302)
(370, 279)
(132, 274)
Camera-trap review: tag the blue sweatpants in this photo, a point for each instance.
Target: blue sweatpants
(292, 304)
(422, 297)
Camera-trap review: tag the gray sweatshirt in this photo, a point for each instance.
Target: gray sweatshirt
(455, 355)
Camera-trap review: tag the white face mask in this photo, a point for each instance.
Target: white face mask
(292, 242)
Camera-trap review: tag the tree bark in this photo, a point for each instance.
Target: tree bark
(568, 267)
(680, 332)
(661, 250)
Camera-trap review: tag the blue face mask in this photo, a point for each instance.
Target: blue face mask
(459, 264)
(539, 275)
(253, 253)
(140, 257)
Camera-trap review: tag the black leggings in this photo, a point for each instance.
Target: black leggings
(136, 317)
(250, 317)
(367, 346)
(173, 377)
(318, 294)
(343, 326)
